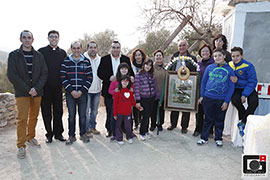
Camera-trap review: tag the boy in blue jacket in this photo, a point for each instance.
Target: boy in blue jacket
(216, 92)
(245, 83)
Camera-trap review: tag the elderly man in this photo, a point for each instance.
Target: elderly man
(27, 71)
(182, 51)
(107, 72)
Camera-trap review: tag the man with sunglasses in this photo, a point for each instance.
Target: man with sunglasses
(52, 100)
(27, 71)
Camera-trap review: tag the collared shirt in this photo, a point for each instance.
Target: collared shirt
(53, 58)
(115, 64)
(97, 82)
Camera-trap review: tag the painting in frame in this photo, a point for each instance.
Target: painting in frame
(181, 95)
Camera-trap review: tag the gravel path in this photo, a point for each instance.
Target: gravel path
(168, 156)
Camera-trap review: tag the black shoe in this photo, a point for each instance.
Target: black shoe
(152, 128)
(109, 134)
(170, 128)
(70, 140)
(184, 131)
(60, 138)
(160, 128)
(84, 139)
(195, 134)
(49, 140)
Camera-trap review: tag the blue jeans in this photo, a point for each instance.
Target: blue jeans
(213, 114)
(71, 104)
(92, 110)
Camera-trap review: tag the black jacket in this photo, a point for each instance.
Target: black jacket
(188, 64)
(53, 59)
(105, 71)
(18, 75)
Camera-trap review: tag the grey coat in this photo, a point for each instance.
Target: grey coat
(18, 75)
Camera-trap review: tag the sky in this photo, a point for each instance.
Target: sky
(72, 18)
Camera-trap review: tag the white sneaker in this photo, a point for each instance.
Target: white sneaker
(219, 143)
(121, 142)
(21, 153)
(33, 142)
(130, 141)
(142, 137)
(202, 142)
(148, 135)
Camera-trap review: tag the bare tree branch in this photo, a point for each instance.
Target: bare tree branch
(174, 34)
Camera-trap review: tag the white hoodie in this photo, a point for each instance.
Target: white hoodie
(96, 84)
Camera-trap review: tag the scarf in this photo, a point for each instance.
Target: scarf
(137, 65)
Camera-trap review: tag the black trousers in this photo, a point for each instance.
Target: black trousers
(52, 109)
(199, 119)
(137, 116)
(184, 121)
(109, 111)
(252, 101)
(147, 104)
(154, 114)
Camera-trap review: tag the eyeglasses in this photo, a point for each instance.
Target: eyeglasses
(27, 37)
(76, 48)
(53, 37)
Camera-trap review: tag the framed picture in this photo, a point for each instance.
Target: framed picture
(181, 95)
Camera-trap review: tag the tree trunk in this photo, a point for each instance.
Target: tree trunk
(205, 37)
(174, 34)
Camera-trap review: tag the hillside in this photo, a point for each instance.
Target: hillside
(3, 56)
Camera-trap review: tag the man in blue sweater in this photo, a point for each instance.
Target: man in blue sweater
(76, 77)
(245, 83)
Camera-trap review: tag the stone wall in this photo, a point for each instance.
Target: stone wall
(8, 109)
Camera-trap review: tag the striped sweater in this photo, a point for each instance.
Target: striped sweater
(76, 75)
(145, 86)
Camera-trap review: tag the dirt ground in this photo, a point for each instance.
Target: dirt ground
(167, 156)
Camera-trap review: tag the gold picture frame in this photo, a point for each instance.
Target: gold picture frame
(181, 95)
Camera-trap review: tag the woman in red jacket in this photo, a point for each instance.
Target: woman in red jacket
(123, 101)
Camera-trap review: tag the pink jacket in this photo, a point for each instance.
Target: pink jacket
(114, 85)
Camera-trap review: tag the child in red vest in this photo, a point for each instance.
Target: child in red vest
(123, 101)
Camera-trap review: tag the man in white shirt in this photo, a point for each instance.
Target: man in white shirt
(107, 73)
(94, 90)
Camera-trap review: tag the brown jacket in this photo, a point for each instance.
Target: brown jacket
(159, 72)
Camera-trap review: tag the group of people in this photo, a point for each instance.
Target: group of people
(131, 87)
